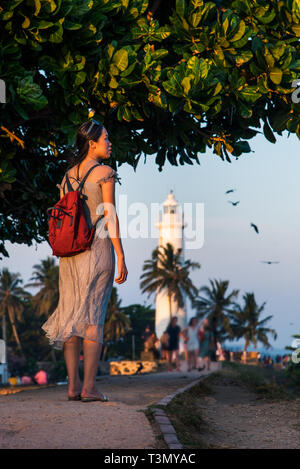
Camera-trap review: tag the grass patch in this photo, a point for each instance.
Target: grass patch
(186, 417)
(266, 383)
(160, 442)
(184, 410)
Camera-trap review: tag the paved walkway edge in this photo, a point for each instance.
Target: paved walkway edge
(166, 427)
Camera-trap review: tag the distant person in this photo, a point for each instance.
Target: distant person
(164, 346)
(13, 380)
(206, 345)
(278, 359)
(185, 340)
(41, 377)
(220, 352)
(151, 345)
(173, 331)
(192, 334)
(147, 333)
(26, 380)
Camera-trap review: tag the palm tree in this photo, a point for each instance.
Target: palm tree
(166, 270)
(247, 323)
(117, 324)
(45, 276)
(11, 305)
(216, 307)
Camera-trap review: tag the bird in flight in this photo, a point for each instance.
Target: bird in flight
(270, 262)
(254, 226)
(230, 190)
(233, 203)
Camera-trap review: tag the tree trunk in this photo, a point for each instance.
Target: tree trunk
(4, 335)
(214, 332)
(170, 308)
(245, 352)
(14, 329)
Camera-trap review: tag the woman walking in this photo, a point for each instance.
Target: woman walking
(173, 331)
(206, 345)
(86, 279)
(164, 346)
(192, 334)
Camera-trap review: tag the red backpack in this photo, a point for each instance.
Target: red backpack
(69, 233)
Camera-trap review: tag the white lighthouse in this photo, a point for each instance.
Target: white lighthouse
(170, 231)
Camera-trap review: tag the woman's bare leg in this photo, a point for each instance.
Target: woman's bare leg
(91, 356)
(177, 359)
(195, 356)
(208, 363)
(185, 352)
(170, 353)
(72, 354)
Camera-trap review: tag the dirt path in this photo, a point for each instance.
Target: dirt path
(45, 419)
(237, 419)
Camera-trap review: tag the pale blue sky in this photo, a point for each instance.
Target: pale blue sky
(267, 186)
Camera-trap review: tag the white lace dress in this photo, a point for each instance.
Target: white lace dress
(85, 280)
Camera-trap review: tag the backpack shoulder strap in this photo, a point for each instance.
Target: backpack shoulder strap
(70, 188)
(80, 187)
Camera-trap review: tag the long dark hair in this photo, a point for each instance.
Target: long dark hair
(90, 130)
(171, 320)
(191, 320)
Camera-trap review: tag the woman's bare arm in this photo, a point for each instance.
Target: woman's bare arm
(112, 223)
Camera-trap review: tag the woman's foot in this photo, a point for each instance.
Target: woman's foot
(74, 391)
(92, 393)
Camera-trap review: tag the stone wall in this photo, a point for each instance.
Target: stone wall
(127, 367)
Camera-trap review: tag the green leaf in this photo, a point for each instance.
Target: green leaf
(180, 8)
(37, 7)
(71, 26)
(30, 92)
(57, 36)
(240, 32)
(171, 89)
(113, 83)
(244, 110)
(249, 94)
(14, 3)
(296, 29)
(268, 133)
(80, 78)
(26, 23)
(120, 59)
(50, 6)
(241, 147)
(186, 83)
(195, 19)
(276, 75)
(45, 24)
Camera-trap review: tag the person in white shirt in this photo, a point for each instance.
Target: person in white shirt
(192, 343)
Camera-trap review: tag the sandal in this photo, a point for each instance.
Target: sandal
(74, 398)
(96, 398)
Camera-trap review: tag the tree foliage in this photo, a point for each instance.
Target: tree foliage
(194, 75)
